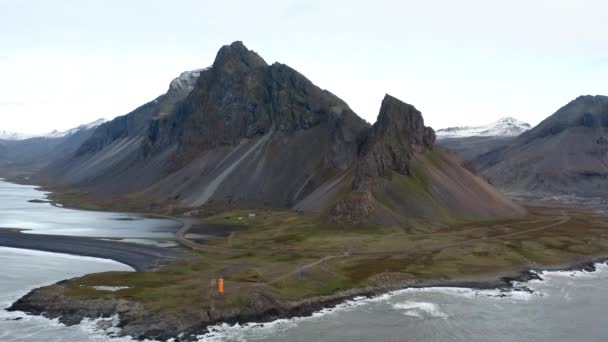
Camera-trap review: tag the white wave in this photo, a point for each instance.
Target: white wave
(253, 331)
(518, 292)
(93, 330)
(600, 271)
(413, 313)
(521, 291)
(245, 332)
(413, 308)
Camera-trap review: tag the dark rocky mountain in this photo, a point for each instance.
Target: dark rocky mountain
(567, 153)
(247, 131)
(402, 176)
(256, 135)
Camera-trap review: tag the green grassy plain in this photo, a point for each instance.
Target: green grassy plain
(291, 256)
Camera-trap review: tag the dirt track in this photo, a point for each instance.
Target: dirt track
(187, 224)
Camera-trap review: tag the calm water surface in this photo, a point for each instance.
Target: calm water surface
(43, 218)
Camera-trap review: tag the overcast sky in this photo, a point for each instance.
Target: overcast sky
(64, 63)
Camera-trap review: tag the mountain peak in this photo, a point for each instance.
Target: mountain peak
(398, 132)
(237, 56)
(584, 111)
(185, 81)
(403, 119)
(591, 98)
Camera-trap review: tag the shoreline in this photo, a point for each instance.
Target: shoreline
(140, 322)
(66, 309)
(139, 257)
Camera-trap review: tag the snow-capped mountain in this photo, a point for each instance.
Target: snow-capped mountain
(186, 80)
(505, 127)
(57, 134)
(7, 135)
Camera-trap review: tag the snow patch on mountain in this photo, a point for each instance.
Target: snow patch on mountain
(57, 134)
(186, 80)
(7, 135)
(505, 127)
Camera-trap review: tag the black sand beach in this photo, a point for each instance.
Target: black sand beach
(140, 257)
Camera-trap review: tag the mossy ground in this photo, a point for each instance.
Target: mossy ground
(270, 257)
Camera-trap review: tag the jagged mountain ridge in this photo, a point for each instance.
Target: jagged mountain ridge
(257, 135)
(567, 153)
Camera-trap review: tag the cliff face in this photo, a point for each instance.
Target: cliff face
(564, 154)
(398, 133)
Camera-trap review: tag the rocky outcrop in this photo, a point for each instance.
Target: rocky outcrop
(355, 208)
(398, 133)
(402, 177)
(388, 148)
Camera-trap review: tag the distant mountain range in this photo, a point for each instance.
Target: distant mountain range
(243, 133)
(567, 153)
(505, 127)
(8, 135)
(21, 151)
(14, 136)
(472, 141)
(89, 126)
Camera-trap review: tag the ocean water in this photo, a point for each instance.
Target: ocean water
(23, 270)
(17, 212)
(565, 306)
